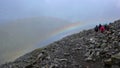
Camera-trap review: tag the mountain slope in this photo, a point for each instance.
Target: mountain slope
(86, 49)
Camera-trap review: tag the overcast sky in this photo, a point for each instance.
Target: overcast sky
(47, 16)
(73, 10)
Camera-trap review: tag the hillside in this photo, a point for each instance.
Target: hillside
(86, 49)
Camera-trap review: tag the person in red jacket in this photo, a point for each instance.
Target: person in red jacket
(102, 29)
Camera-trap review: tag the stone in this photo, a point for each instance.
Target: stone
(62, 59)
(87, 54)
(89, 59)
(40, 55)
(116, 56)
(103, 45)
(104, 41)
(78, 48)
(108, 63)
(97, 53)
(48, 57)
(66, 54)
(92, 46)
(92, 40)
(54, 66)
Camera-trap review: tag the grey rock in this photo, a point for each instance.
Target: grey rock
(54, 66)
(97, 53)
(79, 48)
(116, 56)
(66, 54)
(103, 45)
(87, 53)
(104, 41)
(89, 59)
(63, 59)
(108, 61)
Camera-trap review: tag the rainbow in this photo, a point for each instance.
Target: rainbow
(66, 28)
(60, 33)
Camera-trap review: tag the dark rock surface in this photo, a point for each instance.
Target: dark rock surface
(87, 49)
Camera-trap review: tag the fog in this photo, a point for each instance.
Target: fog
(29, 24)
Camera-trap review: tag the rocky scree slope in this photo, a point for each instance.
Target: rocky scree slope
(86, 49)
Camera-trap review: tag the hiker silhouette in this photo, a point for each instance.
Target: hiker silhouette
(96, 28)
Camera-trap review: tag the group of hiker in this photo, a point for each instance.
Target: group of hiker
(101, 28)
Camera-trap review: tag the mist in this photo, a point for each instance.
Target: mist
(28, 24)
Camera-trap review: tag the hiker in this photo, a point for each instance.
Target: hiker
(102, 28)
(106, 27)
(99, 26)
(96, 28)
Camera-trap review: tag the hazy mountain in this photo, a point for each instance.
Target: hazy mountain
(20, 36)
